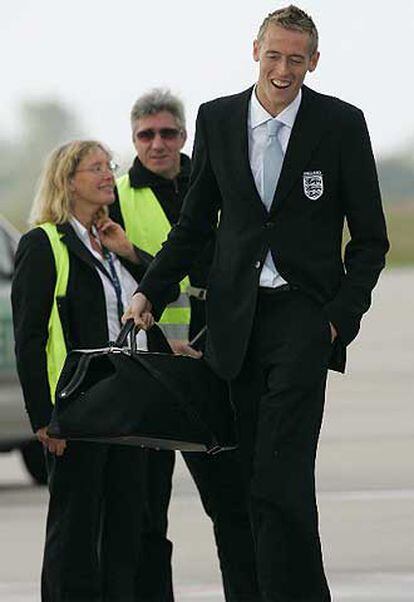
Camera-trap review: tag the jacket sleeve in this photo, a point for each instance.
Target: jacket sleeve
(365, 252)
(137, 271)
(196, 226)
(32, 298)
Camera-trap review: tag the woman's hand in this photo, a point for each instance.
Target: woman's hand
(114, 238)
(55, 446)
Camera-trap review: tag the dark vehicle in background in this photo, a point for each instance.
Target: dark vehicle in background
(15, 431)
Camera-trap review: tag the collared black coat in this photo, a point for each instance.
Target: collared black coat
(304, 234)
(82, 311)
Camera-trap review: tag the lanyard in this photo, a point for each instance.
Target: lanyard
(115, 282)
(111, 275)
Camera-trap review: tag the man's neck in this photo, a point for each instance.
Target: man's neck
(140, 176)
(273, 109)
(170, 175)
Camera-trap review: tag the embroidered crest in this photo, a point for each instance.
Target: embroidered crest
(313, 184)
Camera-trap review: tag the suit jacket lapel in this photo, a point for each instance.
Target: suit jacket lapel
(310, 124)
(76, 246)
(238, 142)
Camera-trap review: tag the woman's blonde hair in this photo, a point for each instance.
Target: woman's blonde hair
(52, 202)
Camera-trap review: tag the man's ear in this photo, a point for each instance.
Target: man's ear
(313, 63)
(256, 51)
(183, 137)
(134, 125)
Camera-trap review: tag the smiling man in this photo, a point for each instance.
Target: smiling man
(284, 167)
(285, 56)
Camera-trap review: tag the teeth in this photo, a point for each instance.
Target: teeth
(280, 84)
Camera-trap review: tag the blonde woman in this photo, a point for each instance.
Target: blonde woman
(75, 271)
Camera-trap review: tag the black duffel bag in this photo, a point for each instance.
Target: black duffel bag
(158, 400)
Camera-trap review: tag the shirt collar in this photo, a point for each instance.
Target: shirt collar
(259, 115)
(80, 229)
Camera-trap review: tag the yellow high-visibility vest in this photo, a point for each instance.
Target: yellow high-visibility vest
(56, 347)
(147, 227)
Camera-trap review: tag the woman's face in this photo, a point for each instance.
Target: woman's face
(92, 186)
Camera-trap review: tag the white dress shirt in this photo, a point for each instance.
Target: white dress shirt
(257, 131)
(127, 282)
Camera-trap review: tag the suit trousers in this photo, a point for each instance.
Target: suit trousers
(224, 498)
(93, 533)
(279, 399)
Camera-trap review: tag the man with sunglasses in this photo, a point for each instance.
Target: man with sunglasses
(148, 204)
(149, 201)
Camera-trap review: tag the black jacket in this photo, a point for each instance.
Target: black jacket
(170, 194)
(82, 311)
(305, 235)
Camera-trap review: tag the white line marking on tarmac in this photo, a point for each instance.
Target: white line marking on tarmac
(389, 587)
(368, 494)
(369, 587)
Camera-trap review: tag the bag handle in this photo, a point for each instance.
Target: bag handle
(124, 332)
(81, 369)
(77, 377)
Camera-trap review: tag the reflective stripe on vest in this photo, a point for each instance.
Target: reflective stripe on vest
(55, 346)
(147, 227)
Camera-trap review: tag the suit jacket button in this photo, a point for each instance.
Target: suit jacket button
(269, 225)
(257, 265)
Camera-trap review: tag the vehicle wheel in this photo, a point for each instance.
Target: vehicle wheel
(34, 460)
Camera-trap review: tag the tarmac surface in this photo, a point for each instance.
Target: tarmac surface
(365, 479)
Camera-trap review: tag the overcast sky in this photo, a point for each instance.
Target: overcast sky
(97, 57)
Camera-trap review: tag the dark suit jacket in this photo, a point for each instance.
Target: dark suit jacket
(303, 234)
(82, 311)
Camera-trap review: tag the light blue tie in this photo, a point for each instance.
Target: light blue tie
(272, 162)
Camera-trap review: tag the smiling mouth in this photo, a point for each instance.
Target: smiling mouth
(280, 84)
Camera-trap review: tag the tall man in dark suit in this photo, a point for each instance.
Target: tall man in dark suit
(283, 167)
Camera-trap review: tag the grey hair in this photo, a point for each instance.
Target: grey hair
(157, 100)
(294, 18)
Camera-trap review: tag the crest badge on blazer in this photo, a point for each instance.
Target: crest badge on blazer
(313, 184)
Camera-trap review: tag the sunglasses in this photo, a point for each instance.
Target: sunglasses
(165, 133)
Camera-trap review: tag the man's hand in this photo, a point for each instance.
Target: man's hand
(184, 348)
(114, 238)
(55, 446)
(334, 332)
(140, 311)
